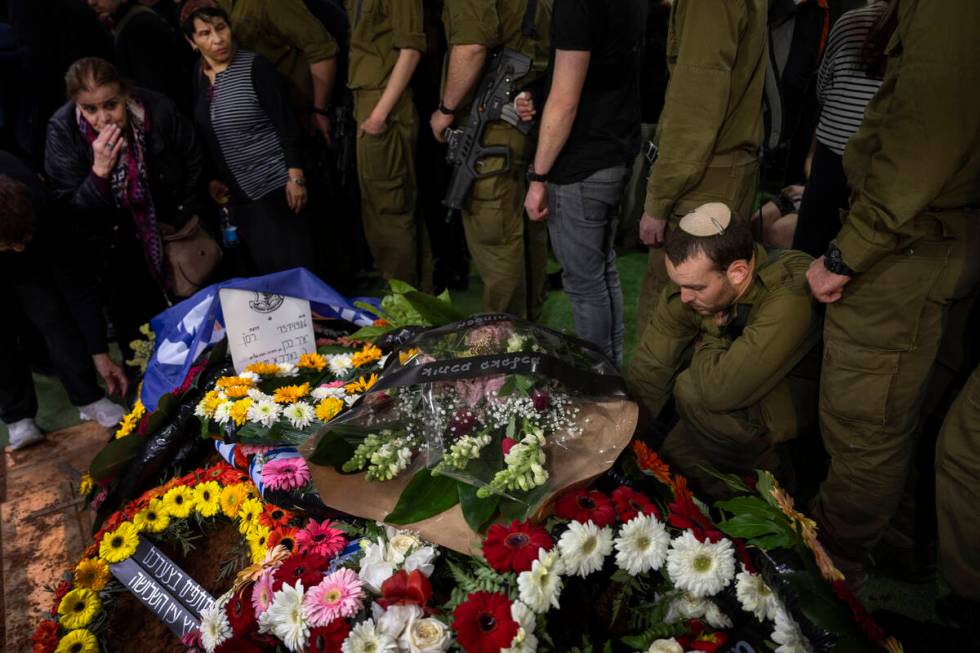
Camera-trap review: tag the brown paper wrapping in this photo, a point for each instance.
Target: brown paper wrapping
(607, 427)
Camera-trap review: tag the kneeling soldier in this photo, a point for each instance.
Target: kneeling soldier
(733, 340)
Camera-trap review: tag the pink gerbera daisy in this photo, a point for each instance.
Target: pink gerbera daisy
(285, 473)
(333, 384)
(321, 539)
(338, 595)
(262, 593)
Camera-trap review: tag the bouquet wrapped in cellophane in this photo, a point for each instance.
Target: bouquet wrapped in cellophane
(472, 422)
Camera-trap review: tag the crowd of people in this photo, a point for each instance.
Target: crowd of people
(832, 322)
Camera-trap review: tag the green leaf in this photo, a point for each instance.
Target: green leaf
(159, 418)
(372, 309)
(764, 487)
(739, 505)
(757, 522)
(400, 287)
(114, 456)
(477, 512)
(279, 433)
(507, 388)
(425, 496)
(371, 332)
(433, 310)
(336, 445)
(817, 602)
(733, 481)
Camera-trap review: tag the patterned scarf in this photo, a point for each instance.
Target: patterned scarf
(130, 184)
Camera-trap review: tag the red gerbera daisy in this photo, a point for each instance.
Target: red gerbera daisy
(45, 638)
(515, 547)
(307, 568)
(483, 623)
(241, 614)
(329, 638)
(59, 593)
(274, 517)
(630, 503)
(586, 505)
(321, 539)
(284, 535)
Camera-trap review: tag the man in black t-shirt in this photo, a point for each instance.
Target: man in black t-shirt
(590, 132)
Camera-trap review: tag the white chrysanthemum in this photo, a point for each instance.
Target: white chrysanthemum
(687, 606)
(366, 638)
(215, 629)
(322, 392)
(222, 414)
(666, 646)
(701, 568)
(584, 547)
(541, 587)
(265, 412)
(300, 414)
(525, 640)
(788, 635)
(251, 376)
(755, 596)
(284, 618)
(287, 369)
(257, 395)
(642, 545)
(339, 364)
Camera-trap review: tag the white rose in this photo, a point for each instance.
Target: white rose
(394, 621)
(375, 570)
(400, 545)
(665, 646)
(425, 636)
(422, 559)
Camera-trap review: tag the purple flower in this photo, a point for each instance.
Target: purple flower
(472, 391)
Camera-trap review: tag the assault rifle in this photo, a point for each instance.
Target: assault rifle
(345, 140)
(494, 101)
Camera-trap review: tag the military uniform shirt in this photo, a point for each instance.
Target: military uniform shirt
(732, 370)
(497, 23)
(916, 149)
(716, 55)
(379, 29)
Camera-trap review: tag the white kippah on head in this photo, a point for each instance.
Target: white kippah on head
(709, 219)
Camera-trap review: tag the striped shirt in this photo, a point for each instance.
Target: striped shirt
(843, 86)
(251, 147)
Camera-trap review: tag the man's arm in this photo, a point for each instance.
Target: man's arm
(465, 67)
(561, 107)
(660, 354)
(929, 130)
(697, 97)
(733, 374)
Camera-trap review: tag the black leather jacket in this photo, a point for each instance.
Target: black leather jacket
(174, 164)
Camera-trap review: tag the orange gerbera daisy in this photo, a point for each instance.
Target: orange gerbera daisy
(263, 369)
(651, 463)
(361, 385)
(369, 354)
(290, 394)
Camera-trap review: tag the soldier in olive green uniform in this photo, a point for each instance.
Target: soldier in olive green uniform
(288, 35)
(734, 342)
(510, 252)
(386, 45)
(958, 495)
(905, 261)
(711, 127)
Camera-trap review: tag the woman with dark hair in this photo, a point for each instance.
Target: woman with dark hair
(241, 110)
(126, 165)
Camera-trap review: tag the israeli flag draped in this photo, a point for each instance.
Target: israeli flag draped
(185, 330)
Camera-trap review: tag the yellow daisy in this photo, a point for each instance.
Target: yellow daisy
(257, 536)
(210, 402)
(239, 410)
(369, 354)
(290, 394)
(85, 486)
(207, 498)
(312, 361)
(78, 641)
(119, 544)
(327, 409)
(237, 391)
(152, 519)
(263, 369)
(232, 498)
(132, 420)
(78, 608)
(248, 513)
(231, 381)
(361, 385)
(407, 355)
(91, 574)
(179, 501)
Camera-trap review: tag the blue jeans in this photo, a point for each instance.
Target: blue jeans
(582, 225)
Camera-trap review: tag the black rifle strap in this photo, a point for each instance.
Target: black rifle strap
(530, 14)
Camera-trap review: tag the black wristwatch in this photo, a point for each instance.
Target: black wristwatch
(444, 110)
(533, 176)
(834, 261)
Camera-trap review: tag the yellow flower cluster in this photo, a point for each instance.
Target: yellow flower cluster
(130, 421)
(407, 355)
(312, 361)
(263, 369)
(85, 485)
(290, 394)
(328, 408)
(78, 641)
(361, 385)
(368, 354)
